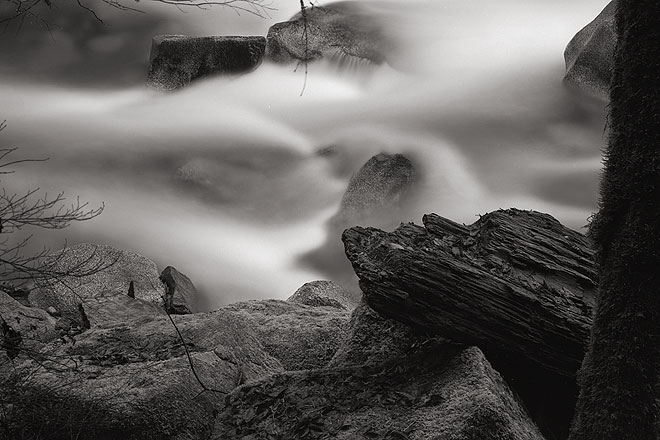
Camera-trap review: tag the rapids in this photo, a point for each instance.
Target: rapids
(223, 179)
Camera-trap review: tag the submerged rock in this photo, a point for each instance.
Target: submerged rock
(323, 293)
(377, 195)
(589, 55)
(346, 32)
(176, 60)
(180, 293)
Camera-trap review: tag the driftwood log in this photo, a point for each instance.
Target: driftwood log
(514, 282)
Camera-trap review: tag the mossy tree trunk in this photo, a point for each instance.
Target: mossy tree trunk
(619, 375)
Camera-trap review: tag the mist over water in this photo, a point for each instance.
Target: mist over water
(223, 179)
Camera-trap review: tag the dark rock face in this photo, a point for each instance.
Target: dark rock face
(343, 31)
(176, 60)
(374, 339)
(180, 292)
(376, 196)
(132, 379)
(589, 55)
(323, 294)
(445, 393)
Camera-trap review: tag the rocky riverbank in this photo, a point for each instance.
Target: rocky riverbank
(457, 336)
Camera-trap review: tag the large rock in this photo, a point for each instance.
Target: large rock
(32, 324)
(180, 293)
(300, 337)
(374, 339)
(103, 268)
(176, 60)
(133, 379)
(323, 293)
(346, 32)
(589, 55)
(377, 195)
(516, 283)
(448, 393)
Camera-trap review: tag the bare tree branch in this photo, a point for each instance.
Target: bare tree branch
(35, 10)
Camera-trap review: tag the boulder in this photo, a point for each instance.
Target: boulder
(589, 55)
(377, 195)
(32, 324)
(301, 337)
(133, 379)
(449, 393)
(345, 32)
(180, 293)
(176, 60)
(95, 269)
(376, 191)
(323, 293)
(374, 339)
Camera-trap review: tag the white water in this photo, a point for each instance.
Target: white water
(480, 110)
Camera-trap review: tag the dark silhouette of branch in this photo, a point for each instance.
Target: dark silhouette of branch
(20, 10)
(190, 362)
(29, 210)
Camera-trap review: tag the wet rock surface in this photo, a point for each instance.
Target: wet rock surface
(177, 60)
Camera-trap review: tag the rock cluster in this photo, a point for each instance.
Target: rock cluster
(344, 32)
(304, 368)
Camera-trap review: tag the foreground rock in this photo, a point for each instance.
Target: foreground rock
(300, 337)
(92, 270)
(180, 293)
(323, 293)
(589, 55)
(133, 379)
(449, 392)
(373, 339)
(32, 324)
(177, 60)
(516, 283)
(346, 32)
(377, 194)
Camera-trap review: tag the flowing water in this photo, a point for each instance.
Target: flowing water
(223, 179)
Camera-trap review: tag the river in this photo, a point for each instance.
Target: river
(479, 107)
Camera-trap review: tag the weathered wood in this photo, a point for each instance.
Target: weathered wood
(517, 283)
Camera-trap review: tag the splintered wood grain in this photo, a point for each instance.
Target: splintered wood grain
(515, 282)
